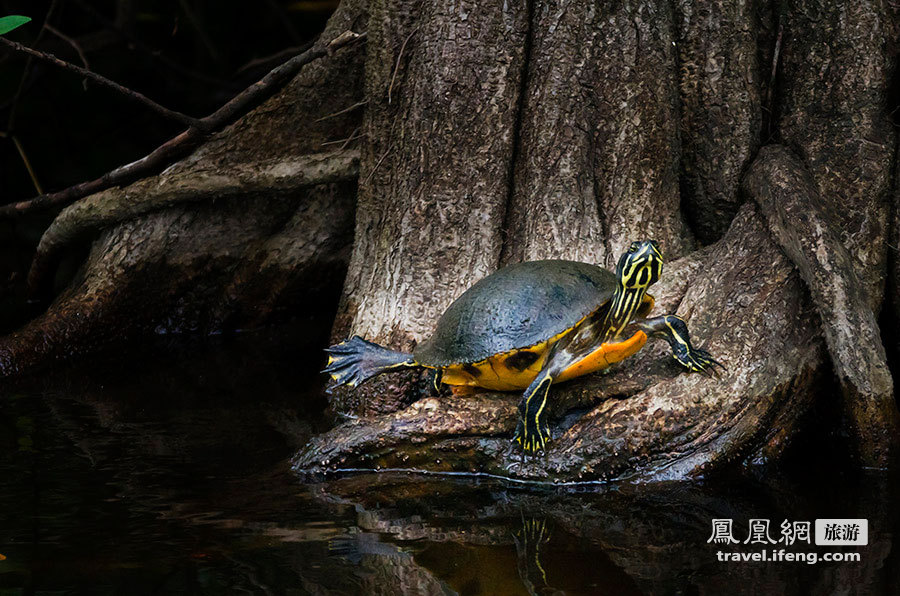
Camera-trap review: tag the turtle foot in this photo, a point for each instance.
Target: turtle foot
(698, 360)
(532, 438)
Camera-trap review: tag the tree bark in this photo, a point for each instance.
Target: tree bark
(598, 152)
(443, 84)
(832, 109)
(779, 184)
(721, 108)
(159, 265)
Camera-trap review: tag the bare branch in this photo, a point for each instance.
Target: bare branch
(179, 145)
(276, 77)
(75, 45)
(158, 158)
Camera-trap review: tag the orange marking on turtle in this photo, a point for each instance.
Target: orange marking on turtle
(604, 356)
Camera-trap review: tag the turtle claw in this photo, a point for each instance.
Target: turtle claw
(533, 442)
(352, 362)
(699, 360)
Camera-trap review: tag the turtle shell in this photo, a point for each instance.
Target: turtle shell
(518, 306)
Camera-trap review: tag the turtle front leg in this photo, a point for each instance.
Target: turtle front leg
(674, 330)
(533, 431)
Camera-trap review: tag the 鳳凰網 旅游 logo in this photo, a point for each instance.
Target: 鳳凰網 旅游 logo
(789, 533)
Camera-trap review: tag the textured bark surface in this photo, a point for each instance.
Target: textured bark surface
(271, 178)
(654, 424)
(597, 161)
(433, 187)
(442, 83)
(156, 274)
(833, 110)
(893, 286)
(789, 201)
(721, 108)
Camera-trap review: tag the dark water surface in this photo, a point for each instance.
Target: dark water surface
(167, 472)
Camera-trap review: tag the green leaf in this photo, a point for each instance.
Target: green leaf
(11, 22)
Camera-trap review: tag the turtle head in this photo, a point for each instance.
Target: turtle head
(640, 266)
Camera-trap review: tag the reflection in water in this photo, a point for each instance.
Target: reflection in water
(169, 475)
(529, 539)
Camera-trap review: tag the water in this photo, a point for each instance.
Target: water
(167, 472)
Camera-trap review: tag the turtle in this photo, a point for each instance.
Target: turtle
(532, 324)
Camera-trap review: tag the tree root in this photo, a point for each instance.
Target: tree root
(156, 274)
(788, 199)
(833, 111)
(106, 209)
(184, 141)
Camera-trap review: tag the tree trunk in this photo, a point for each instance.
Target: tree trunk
(721, 108)
(529, 130)
(832, 109)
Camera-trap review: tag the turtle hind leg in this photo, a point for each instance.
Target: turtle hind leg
(674, 330)
(354, 361)
(532, 431)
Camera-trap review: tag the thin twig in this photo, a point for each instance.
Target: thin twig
(205, 40)
(27, 162)
(278, 57)
(75, 45)
(277, 76)
(397, 66)
(282, 17)
(353, 136)
(378, 163)
(136, 43)
(158, 158)
(177, 146)
(129, 93)
(344, 111)
(14, 106)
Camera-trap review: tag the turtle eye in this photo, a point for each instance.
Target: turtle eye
(634, 246)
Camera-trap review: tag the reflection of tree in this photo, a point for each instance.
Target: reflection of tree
(631, 539)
